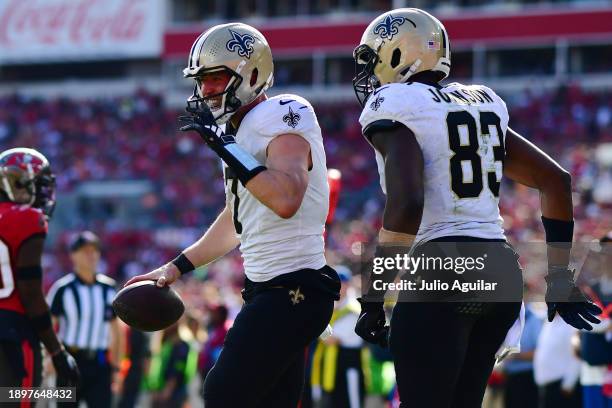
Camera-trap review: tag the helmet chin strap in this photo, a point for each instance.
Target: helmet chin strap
(221, 120)
(443, 65)
(234, 102)
(269, 83)
(223, 116)
(413, 68)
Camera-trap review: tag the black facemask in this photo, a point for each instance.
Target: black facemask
(44, 193)
(365, 82)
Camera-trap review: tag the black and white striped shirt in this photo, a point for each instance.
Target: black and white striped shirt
(84, 310)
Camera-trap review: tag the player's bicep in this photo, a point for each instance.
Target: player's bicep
(404, 166)
(29, 273)
(526, 164)
(30, 251)
(290, 154)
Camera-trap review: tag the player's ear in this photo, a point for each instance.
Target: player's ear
(254, 75)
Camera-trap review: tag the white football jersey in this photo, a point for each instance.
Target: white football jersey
(461, 131)
(271, 245)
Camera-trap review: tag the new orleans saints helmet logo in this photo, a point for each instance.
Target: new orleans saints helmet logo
(241, 43)
(296, 296)
(389, 26)
(292, 118)
(376, 103)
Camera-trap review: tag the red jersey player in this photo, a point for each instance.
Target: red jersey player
(26, 201)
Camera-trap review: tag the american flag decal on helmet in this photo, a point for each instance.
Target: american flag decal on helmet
(433, 45)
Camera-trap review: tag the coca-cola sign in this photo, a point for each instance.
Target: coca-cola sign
(44, 30)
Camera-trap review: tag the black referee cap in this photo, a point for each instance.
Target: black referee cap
(84, 238)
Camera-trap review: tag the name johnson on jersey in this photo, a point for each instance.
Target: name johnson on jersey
(461, 131)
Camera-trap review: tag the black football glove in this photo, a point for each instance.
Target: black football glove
(371, 323)
(68, 374)
(565, 298)
(200, 119)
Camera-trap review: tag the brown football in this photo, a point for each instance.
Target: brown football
(146, 307)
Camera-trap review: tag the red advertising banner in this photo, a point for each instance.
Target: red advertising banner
(54, 30)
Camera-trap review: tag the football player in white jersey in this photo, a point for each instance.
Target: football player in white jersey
(277, 199)
(441, 153)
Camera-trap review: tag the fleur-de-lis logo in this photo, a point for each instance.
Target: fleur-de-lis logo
(376, 103)
(296, 296)
(389, 26)
(241, 43)
(292, 118)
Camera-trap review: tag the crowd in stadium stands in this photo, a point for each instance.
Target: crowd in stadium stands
(135, 138)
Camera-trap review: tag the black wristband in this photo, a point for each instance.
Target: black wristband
(243, 163)
(29, 272)
(183, 264)
(558, 231)
(41, 322)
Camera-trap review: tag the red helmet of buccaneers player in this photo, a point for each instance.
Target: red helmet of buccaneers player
(26, 178)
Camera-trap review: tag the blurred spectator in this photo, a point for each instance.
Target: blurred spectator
(555, 367)
(381, 379)
(520, 388)
(596, 346)
(337, 367)
(173, 365)
(137, 358)
(217, 328)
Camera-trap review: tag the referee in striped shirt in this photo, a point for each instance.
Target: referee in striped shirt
(81, 305)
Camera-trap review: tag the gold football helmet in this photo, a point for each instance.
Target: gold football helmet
(242, 52)
(397, 45)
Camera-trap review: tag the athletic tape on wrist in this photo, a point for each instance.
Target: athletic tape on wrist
(242, 162)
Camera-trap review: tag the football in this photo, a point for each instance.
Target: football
(146, 307)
